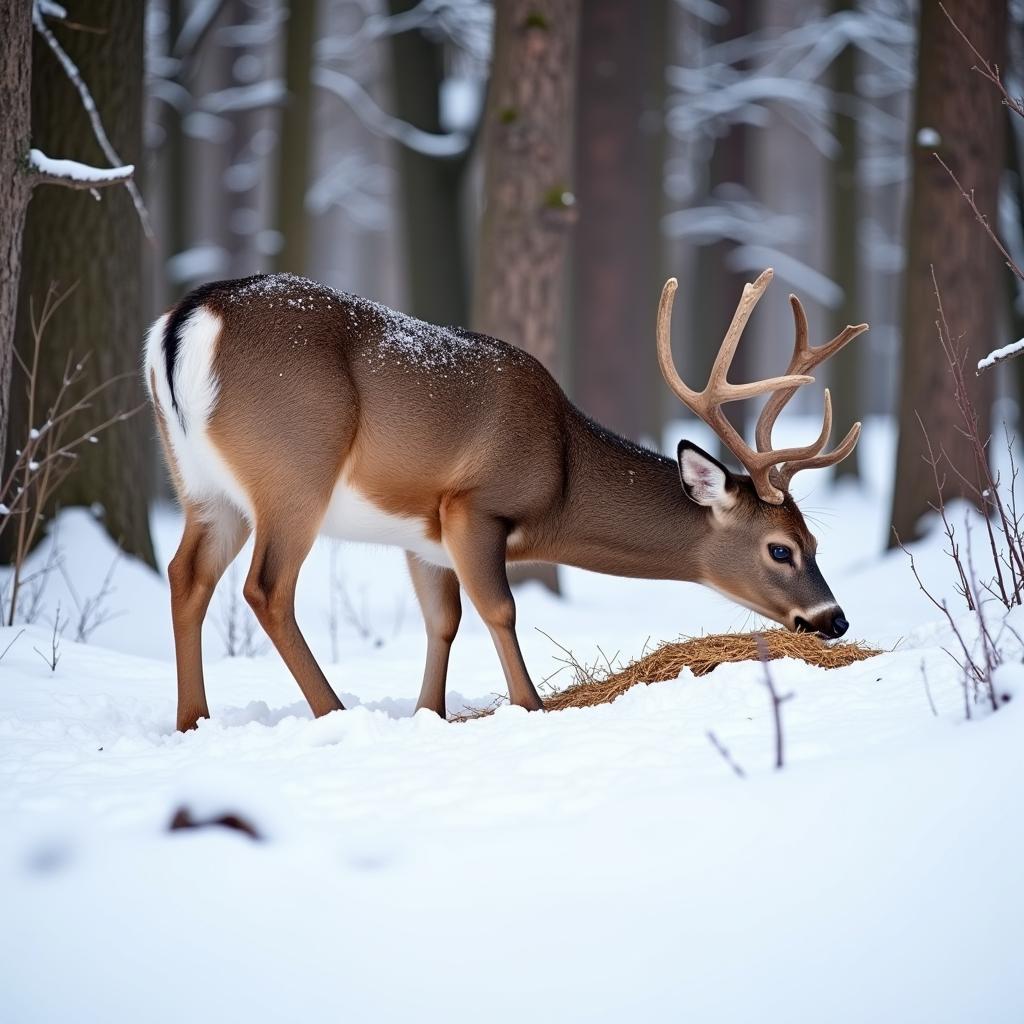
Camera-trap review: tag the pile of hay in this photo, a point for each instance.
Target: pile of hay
(701, 655)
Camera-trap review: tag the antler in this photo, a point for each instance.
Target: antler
(806, 357)
(769, 469)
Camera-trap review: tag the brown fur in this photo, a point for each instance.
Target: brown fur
(466, 433)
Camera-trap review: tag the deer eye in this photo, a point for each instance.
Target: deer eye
(780, 553)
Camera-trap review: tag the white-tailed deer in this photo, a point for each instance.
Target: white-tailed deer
(291, 409)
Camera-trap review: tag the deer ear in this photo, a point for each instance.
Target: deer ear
(705, 480)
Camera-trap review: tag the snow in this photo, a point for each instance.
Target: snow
(999, 354)
(601, 865)
(928, 138)
(72, 170)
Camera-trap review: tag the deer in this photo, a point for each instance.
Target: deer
(288, 410)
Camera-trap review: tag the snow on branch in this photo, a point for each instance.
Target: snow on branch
(46, 170)
(998, 355)
(40, 9)
(428, 143)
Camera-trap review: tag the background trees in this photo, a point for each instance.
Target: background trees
(957, 118)
(619, 143)
(96, 247)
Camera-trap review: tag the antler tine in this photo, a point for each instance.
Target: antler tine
(805, 357)
(841, 450)
(748, 300)
(664, 335)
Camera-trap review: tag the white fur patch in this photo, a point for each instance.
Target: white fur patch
(204, 473)
(350, 516)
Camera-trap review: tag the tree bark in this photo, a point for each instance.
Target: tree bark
(15, 183)
(959, 105)
(529, 205)
(845, 370)
(718, 288)
(97, 246)
(617, 247)
(435, 259)
(294, 149)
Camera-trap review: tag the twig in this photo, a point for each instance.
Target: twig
(3, 653)
(928, 690)
(54, 656)
(726, 756)
(777, 701)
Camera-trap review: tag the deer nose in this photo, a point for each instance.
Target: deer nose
(839, 624)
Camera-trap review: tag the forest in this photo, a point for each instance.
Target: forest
(403, 561)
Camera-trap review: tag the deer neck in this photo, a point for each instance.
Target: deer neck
(625, 512)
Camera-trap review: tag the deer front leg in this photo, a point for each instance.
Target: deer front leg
(437, 591)
(477, 545)
(210, 542)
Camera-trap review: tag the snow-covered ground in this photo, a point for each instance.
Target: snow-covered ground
(600, 864)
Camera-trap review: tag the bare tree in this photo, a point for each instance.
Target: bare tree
(956, 118)
(294, 153)
(435, 259)
(529, 204)
(617, 249)
(846, 216)
(69, 238)
(21, 169)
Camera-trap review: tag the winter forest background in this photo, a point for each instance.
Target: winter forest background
(774, 840)
(350, 141)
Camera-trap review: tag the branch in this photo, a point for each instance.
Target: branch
(45, 170)
(40, 9)
(348, 89)
(986, 68)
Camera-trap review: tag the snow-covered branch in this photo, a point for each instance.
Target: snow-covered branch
(348, 89)
(998, 355)
(46, 170)
(40, 10)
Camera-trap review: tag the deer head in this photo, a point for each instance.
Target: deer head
(759, 550)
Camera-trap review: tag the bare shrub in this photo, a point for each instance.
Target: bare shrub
(49, 452)
(1001, 578)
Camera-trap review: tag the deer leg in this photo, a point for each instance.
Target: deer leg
(477, 545)
(437, 591)
(208, 545)
(281, 548)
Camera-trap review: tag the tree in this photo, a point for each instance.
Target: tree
(21, 170)
(845, 375)
(15, 182)
(529, 205)
(294, 153)
(955, 116)
(617, 247)
(71, 239)
(719, 281)
(434, 257)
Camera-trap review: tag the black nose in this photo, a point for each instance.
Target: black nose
(839, 624)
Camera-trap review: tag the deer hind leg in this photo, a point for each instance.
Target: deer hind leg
(477, 544)
(212, 538)
(281, 547)
(437, 590)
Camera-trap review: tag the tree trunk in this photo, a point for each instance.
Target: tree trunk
(718, 288)
(845, 369)
(294, 149)
(97, 246)
(617, 250)
(431, 210)
(960, 106)
(15, 184)
(529, 206)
